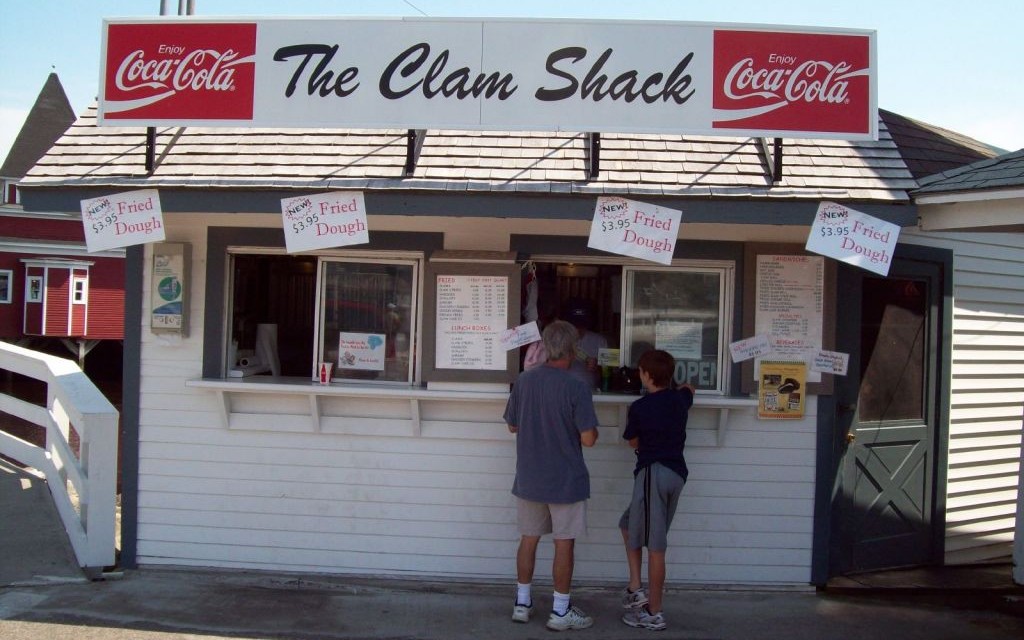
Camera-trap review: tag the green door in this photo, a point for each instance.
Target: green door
(887, 424)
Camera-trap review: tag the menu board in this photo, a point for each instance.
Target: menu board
(790, 306)
(472, 313)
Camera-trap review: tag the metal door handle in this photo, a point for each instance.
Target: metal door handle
(850, 437)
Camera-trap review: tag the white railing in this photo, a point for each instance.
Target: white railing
(72, 403)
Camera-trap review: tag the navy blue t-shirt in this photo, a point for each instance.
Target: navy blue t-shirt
(659, 420)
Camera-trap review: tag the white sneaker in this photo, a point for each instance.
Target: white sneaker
(633, 600)
(574, 618)
(642, 618)
(521, 612)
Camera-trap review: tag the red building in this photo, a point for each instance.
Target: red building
(52, 291)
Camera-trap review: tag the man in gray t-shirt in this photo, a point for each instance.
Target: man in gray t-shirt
(552, 414)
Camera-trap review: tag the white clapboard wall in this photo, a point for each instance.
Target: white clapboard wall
(987, 403)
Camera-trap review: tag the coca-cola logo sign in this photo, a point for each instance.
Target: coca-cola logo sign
(791, 81)
(205, 71)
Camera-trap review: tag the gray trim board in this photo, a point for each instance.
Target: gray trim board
(130, 401)
(579, 206)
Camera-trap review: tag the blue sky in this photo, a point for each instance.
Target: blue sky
(953, 64)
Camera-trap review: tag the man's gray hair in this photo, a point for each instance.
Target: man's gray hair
(560, 340)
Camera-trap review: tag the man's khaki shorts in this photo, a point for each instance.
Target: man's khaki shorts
(563, 521)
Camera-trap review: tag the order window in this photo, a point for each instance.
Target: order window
(685, 309)
(289, 313)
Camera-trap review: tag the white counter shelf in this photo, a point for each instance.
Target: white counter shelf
(267, 403)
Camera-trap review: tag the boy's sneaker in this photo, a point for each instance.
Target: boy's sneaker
(642, 618)
(574, 618)
(633, 600)
(521, 612)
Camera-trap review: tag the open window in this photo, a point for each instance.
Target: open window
(685, 309)
(296, 311)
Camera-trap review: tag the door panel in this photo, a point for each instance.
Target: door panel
(883, 516)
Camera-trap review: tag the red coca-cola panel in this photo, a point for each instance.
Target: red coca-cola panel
(792, 82)
(179, 71)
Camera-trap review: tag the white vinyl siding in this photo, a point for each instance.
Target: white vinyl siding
(987, 405)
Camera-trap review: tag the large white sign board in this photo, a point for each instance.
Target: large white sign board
(496, 74)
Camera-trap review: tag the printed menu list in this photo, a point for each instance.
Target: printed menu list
(790, 293)
(472, 312)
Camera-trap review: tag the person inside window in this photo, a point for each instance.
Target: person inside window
(580, 313)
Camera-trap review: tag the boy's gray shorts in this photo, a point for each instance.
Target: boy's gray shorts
(656, 492)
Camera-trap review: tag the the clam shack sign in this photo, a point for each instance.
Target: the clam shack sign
(494, 74)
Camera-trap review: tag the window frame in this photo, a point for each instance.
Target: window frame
(80, 295)
(726, 271)
(416, 263)
(40, 294)
(363, 256)
(727, 300)
(11, 194)
(7, 294)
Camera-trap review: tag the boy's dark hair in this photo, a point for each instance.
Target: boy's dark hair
(660, 365)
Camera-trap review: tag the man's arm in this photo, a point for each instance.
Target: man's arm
(588, 437)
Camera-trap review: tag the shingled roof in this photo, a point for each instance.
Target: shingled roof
(1003, 172)
(49, 118)
(928, 149)
(476, 161)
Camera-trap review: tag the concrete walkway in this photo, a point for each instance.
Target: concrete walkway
(34, 548)
(43, 596)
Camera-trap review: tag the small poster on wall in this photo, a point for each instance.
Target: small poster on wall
(520, 336)
(169, 287)
(636, 229)
(681, 339)
(122, 220)
(361, 351)
(781, 390)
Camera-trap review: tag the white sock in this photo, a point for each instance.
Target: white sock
(561, 603)
(523, 594)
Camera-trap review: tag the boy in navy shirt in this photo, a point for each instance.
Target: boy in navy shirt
(657, 430)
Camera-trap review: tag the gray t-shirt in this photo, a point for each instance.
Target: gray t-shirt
(550, 408)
